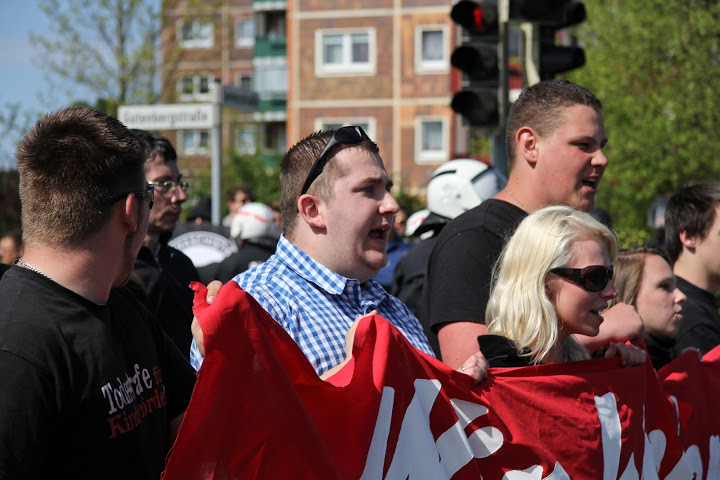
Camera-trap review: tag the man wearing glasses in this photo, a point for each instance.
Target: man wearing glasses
(91, 386)
(165, 272)
(337, 212)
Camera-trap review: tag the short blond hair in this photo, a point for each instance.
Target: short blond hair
(519, 308)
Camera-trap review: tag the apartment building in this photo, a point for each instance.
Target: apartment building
(239, 43)
(381, 64)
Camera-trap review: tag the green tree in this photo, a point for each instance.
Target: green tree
(108, 47)
(9, 201)
(655, 65)
(261, 172)
(14, 122)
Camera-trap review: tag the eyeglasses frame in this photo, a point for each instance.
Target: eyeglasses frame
(182, 184)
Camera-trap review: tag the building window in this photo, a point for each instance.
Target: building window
(431, 47)
(244, 81)
(431, 140)
(343, 52)
(245, 33)
(275, 137)
(271, 80)
(368, 124)
(273, 24)
(194, 87)
(196, 142)
(246, 139)
(196, 34)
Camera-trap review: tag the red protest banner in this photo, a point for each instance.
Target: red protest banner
(391, 412)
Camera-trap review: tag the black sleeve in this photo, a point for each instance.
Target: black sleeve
(229, 268)
(501, 352)
(409, 276)
(28, 418)
(208, 273)
(702, 335)
(178, 375)
(457, 284)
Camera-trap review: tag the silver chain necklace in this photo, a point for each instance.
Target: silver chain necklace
(516, 199)
(23, 263)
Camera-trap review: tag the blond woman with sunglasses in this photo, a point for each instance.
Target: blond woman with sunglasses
(552, 281)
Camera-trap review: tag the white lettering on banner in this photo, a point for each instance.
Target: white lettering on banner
(419, 457)
(692, 458)
(535, 473)
(654, 452)
(714, 463)
(481, 443)
(610, 432)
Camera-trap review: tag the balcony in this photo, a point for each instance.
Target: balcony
(270, 46)
(276, 104)
(269, 5)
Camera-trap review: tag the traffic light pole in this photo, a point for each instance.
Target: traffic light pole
(531, 53)
(498, 148)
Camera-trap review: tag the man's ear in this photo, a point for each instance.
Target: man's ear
(688, 240)
(527, 144)
(311, 209)
(130, 213)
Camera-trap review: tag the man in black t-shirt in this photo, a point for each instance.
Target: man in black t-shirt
(692, 240)
(555, 140)
(454, 188)
(165, 272)
(91, 386)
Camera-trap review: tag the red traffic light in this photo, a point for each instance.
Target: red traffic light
(478, 17)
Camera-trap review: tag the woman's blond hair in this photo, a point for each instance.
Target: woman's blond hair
(519, 308)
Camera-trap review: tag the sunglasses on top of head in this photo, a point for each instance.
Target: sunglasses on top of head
(350, 135)
(593, 278)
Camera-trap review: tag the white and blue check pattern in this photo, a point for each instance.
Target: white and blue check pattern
(317, 307)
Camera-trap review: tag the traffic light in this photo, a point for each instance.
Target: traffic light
(543, 58)
(478, 57)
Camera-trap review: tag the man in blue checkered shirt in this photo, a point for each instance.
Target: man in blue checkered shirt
(337, 212)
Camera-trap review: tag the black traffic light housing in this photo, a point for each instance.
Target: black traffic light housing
(547, 17)
(478, 57)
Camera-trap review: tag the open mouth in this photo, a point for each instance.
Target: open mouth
(591, 182)
(380, 233)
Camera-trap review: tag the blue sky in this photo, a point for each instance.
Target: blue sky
(21, 80)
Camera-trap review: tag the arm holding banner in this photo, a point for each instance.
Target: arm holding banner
(621, 323)
(476, 366)
(630, 355)
(212, 290)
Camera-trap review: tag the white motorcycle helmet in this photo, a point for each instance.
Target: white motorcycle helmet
(415, 220)
(459, 185)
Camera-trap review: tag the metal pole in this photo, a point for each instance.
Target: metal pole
(216, 155)
(531, 52)
(498, 150)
